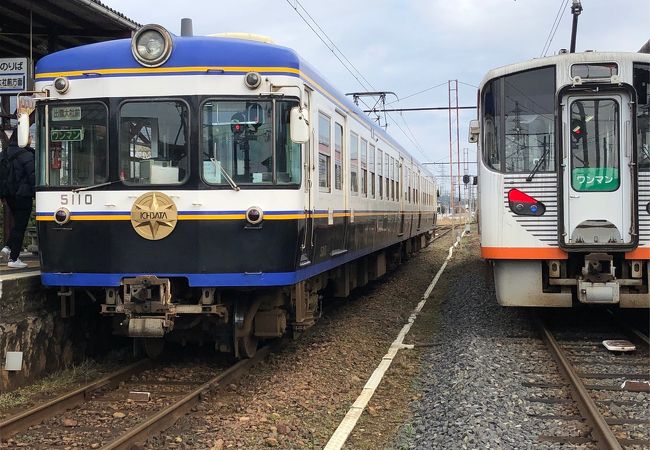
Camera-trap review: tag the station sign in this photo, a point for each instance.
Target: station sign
(15, 75)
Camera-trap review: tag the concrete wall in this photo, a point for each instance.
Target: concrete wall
(30, 322)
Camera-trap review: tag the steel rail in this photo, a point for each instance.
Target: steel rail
(444, 229)
(168, 416)
(601, 431)
(22, 421)
(627, 328)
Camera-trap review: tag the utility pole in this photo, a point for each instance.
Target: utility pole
(451, 161)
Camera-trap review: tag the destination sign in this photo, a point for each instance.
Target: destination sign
(72, 134)
(61, 113)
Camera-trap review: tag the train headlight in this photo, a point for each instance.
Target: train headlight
(61, 84)
(254, 215)
(62, 216)
(252, 80)
(151, 45)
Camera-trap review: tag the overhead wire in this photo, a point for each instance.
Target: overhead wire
(334, 49)
(323, 41)
(557, 15)
(417, 93)
(413, 140)
(554, 27)
(467, 84)
(332, 42)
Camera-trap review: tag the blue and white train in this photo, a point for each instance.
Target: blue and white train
(212, 188)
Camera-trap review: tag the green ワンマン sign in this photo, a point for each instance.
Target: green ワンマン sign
(66, 135)
(595, 179)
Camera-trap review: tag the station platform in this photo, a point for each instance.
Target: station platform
(33, 265)
(30, 323)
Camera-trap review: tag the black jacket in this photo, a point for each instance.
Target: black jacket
(24, 171)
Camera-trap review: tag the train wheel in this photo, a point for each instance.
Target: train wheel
(245, 343)
(153, 347)
(246, 346)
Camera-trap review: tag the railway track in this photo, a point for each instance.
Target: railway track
(22, 421)
(441, 231)
(124, 409)
(610, 390)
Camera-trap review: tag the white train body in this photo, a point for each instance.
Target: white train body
(564, 179)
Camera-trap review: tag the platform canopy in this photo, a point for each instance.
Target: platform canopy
(38, 27)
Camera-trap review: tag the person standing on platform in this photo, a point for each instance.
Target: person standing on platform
(18, 185)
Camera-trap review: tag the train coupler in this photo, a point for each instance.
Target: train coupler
(590, 292)
(598, 282)
(149, 327)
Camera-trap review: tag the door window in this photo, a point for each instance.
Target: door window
(595, 145)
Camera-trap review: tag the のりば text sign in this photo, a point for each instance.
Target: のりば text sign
(15, 75)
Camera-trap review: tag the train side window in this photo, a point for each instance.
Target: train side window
(380, 171)
(338, 156)
(364, 167)
(491, 122)
(371, 168)
(354, 163)
(324, 153)
(395, 184)
(642, 86)
(393, 174)
(387, 172)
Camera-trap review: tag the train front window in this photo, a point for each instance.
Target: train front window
(73, 144)
(519, 121)
(595, 145)
(153, 142)
(240, 142)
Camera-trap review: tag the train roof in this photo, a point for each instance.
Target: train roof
(565, 59)
(196, 56)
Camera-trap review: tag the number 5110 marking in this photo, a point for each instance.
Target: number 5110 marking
(76, 199)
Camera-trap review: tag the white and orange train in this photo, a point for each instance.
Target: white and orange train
(564, 179)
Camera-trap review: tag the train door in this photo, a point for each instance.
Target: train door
(598, 178)
(309, 150)
(341, 190)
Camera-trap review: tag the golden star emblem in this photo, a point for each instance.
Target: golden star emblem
(154, 215)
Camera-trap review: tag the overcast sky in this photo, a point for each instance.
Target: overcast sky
(407, 46)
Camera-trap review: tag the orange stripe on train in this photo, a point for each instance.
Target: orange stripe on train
(639, 253)
(546, 253)
(523, 253)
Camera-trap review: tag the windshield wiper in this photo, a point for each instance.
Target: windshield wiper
(231, 182)
(542, 159)
(87, 188)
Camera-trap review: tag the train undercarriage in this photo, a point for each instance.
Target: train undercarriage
(584, 278)
(153, 310)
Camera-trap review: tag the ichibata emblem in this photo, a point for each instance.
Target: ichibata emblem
(154, 216)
